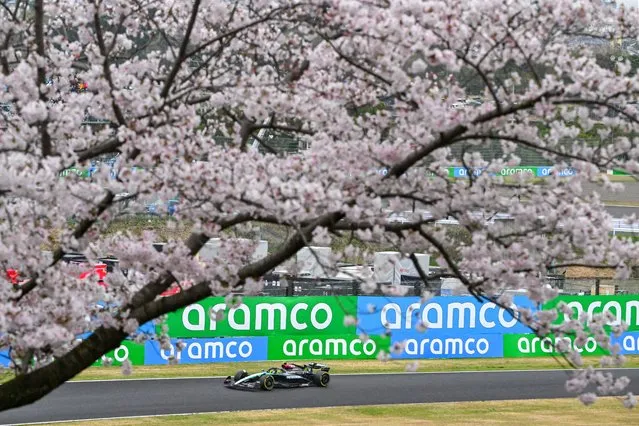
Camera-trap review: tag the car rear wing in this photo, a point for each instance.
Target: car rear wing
(317, 366)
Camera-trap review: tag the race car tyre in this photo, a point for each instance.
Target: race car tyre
(240, 375)
(267, 382)
(321, 379)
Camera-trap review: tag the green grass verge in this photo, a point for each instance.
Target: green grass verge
(606, 411)
(542, 180)
(621, 178)
(337, 367)
(621, 203)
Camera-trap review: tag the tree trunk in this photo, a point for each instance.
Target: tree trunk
(26, 389)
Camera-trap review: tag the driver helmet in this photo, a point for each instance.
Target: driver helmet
(287, 366)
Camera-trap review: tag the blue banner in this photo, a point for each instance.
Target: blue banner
(436, 346)
(463, 172)
(201, 351)
(4, 359)
(537, 171)
(629, 343)
(545, 171)
(461, 315)
(146, 328)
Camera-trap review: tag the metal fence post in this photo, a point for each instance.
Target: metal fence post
(290, 289)
(417, 288)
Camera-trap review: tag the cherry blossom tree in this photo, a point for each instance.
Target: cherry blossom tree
(187, 89)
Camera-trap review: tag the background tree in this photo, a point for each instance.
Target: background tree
(172, 78)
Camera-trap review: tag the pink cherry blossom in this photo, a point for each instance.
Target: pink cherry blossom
(350, 320)
(630, 400)
(412, 366)
(588, 398)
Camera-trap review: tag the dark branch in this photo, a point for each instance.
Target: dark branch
(28, 388)
(46, 144)
(182, 53)
(450, 135)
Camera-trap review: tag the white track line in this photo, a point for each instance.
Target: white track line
(97, 419)
(221, 377)
(143, 379)
(217, 412)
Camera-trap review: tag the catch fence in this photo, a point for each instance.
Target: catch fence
(276, 286)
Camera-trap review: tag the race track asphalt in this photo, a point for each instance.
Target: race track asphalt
(630, 192)
(618, 212)
(86, 400)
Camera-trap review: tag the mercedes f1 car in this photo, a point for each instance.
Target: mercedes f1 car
(288, 376)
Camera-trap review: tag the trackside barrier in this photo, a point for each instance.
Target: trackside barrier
(170, 206)
(322, 327)
(453, 172)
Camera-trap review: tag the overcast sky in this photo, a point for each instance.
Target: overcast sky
(632, 3)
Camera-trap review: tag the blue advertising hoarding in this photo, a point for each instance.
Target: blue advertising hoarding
(201, 351)
(443, 316)
(544, 171)
(147, 328)
(628, 342)
(536, 171)
(4, 358)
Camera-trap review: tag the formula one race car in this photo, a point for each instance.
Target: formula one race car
(288, 376)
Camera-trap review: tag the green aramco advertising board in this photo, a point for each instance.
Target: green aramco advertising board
(265, 316)
(314, 328)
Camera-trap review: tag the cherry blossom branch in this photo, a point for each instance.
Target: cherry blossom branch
(182, 52)
(469, 172)
(28, 388)
(283, 128)
(46, 143)
(344, 225)
(524, 142)
(449, 260)
(197, 240)
(110, 146)
(223, 44)
(194, 243)
(447, 137)
(388, 227)
(114, 144)
(410, 197)
(578, 264)
(532, 328)
(355, 64)
(418, 267)
(484, 78)
(106, 67)
(79, 232)
(527, 58)
(265, 145)
(593, 102)
(3, 59)
(268, 16)
(12, 13)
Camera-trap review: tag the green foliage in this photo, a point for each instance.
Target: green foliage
(605, 59)
(591, 135)
(369, 109)
(166, 228)
(457, 237)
